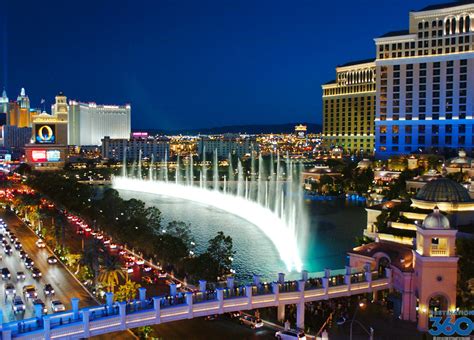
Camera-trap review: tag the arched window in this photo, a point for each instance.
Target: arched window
(467, 24)
(453, 26)
(447, 27)
(461, 25)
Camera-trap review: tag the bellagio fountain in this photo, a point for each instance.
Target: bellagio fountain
(268, 195)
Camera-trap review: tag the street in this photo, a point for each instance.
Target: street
(64, 284)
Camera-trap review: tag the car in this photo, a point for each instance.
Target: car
(20, 276)
(237, 314)
(8, 250)
(57, 306)
(35, 272)
(17, 305)
(29, 292)
(290, 335)
(29, 263)
(147, 269)
(211, 317)
(7, 231)
(40, 243)
(41, 303)
(6, 274)
(48, 289)
(18, 246)
(23, 255)
(4, 243)
(147, 279)
(10, 289)
(13, 237)
(52, 260)
(251, 321)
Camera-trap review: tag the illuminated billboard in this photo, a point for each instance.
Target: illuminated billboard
(53, 155)
(45, 134)
(42, 156)
(38, 155)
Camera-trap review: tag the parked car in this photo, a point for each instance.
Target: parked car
(35, 272)
(8, 249)
(20, 276)
(290, 335)
(29, 292)
(10, 289)
(6, 274)
(17, 305)
(251, 321)
(52, 260)
(23, 254)
(41, 303)
(48, 289)
(57, 306)
(40, 243)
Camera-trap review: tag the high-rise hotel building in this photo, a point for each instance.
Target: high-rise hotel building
(425, 83)
(349, 108)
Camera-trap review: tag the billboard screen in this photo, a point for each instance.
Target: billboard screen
(38, 155)
(53, 155)
(45, 134)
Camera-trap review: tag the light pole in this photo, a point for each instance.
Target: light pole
(369, 331)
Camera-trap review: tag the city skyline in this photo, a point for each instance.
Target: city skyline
(206, 66)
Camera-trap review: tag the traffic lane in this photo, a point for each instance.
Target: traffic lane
(200, 329)
(65, 285)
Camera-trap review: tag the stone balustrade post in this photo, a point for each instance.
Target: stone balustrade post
(248, 294)
(368, 274)
(47, 327)
(301, 286)
(304, 275)
(123, 315)
(142, 296)
(173, 289)
(157, 309)
(86, 322)
(75, 308)
(230, 282)
(281, 278)
(189, 303)
(202, 286)
(256, 280)
(220, 298)
(347, 279)
(276, 291)
(39, 311)
(325, 284)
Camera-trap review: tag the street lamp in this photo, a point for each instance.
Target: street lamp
(369, 331)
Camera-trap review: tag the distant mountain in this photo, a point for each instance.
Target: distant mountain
(249, 129)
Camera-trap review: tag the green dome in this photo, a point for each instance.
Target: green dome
(443, 190)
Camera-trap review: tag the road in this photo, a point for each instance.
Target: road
(65, 285)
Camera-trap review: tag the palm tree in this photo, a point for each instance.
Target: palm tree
(127, 291)
(110, 272)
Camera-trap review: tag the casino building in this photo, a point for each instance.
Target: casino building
(48, 150)
(349, 108)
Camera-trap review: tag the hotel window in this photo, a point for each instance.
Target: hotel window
(421, 139)
(448, 140)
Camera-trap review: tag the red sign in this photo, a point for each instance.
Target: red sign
(38, 155)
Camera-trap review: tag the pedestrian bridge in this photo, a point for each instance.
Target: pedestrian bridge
(117, 316)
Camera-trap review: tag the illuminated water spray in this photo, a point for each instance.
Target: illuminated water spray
(269, 197)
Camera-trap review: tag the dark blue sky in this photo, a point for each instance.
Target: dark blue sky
(191, 63)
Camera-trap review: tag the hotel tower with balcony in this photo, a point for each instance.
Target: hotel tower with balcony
(425, 83)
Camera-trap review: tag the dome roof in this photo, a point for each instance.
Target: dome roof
(436, 220)
(443, 190)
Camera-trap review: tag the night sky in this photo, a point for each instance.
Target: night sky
(191, 64)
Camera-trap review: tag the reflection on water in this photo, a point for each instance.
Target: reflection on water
(333, 228)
